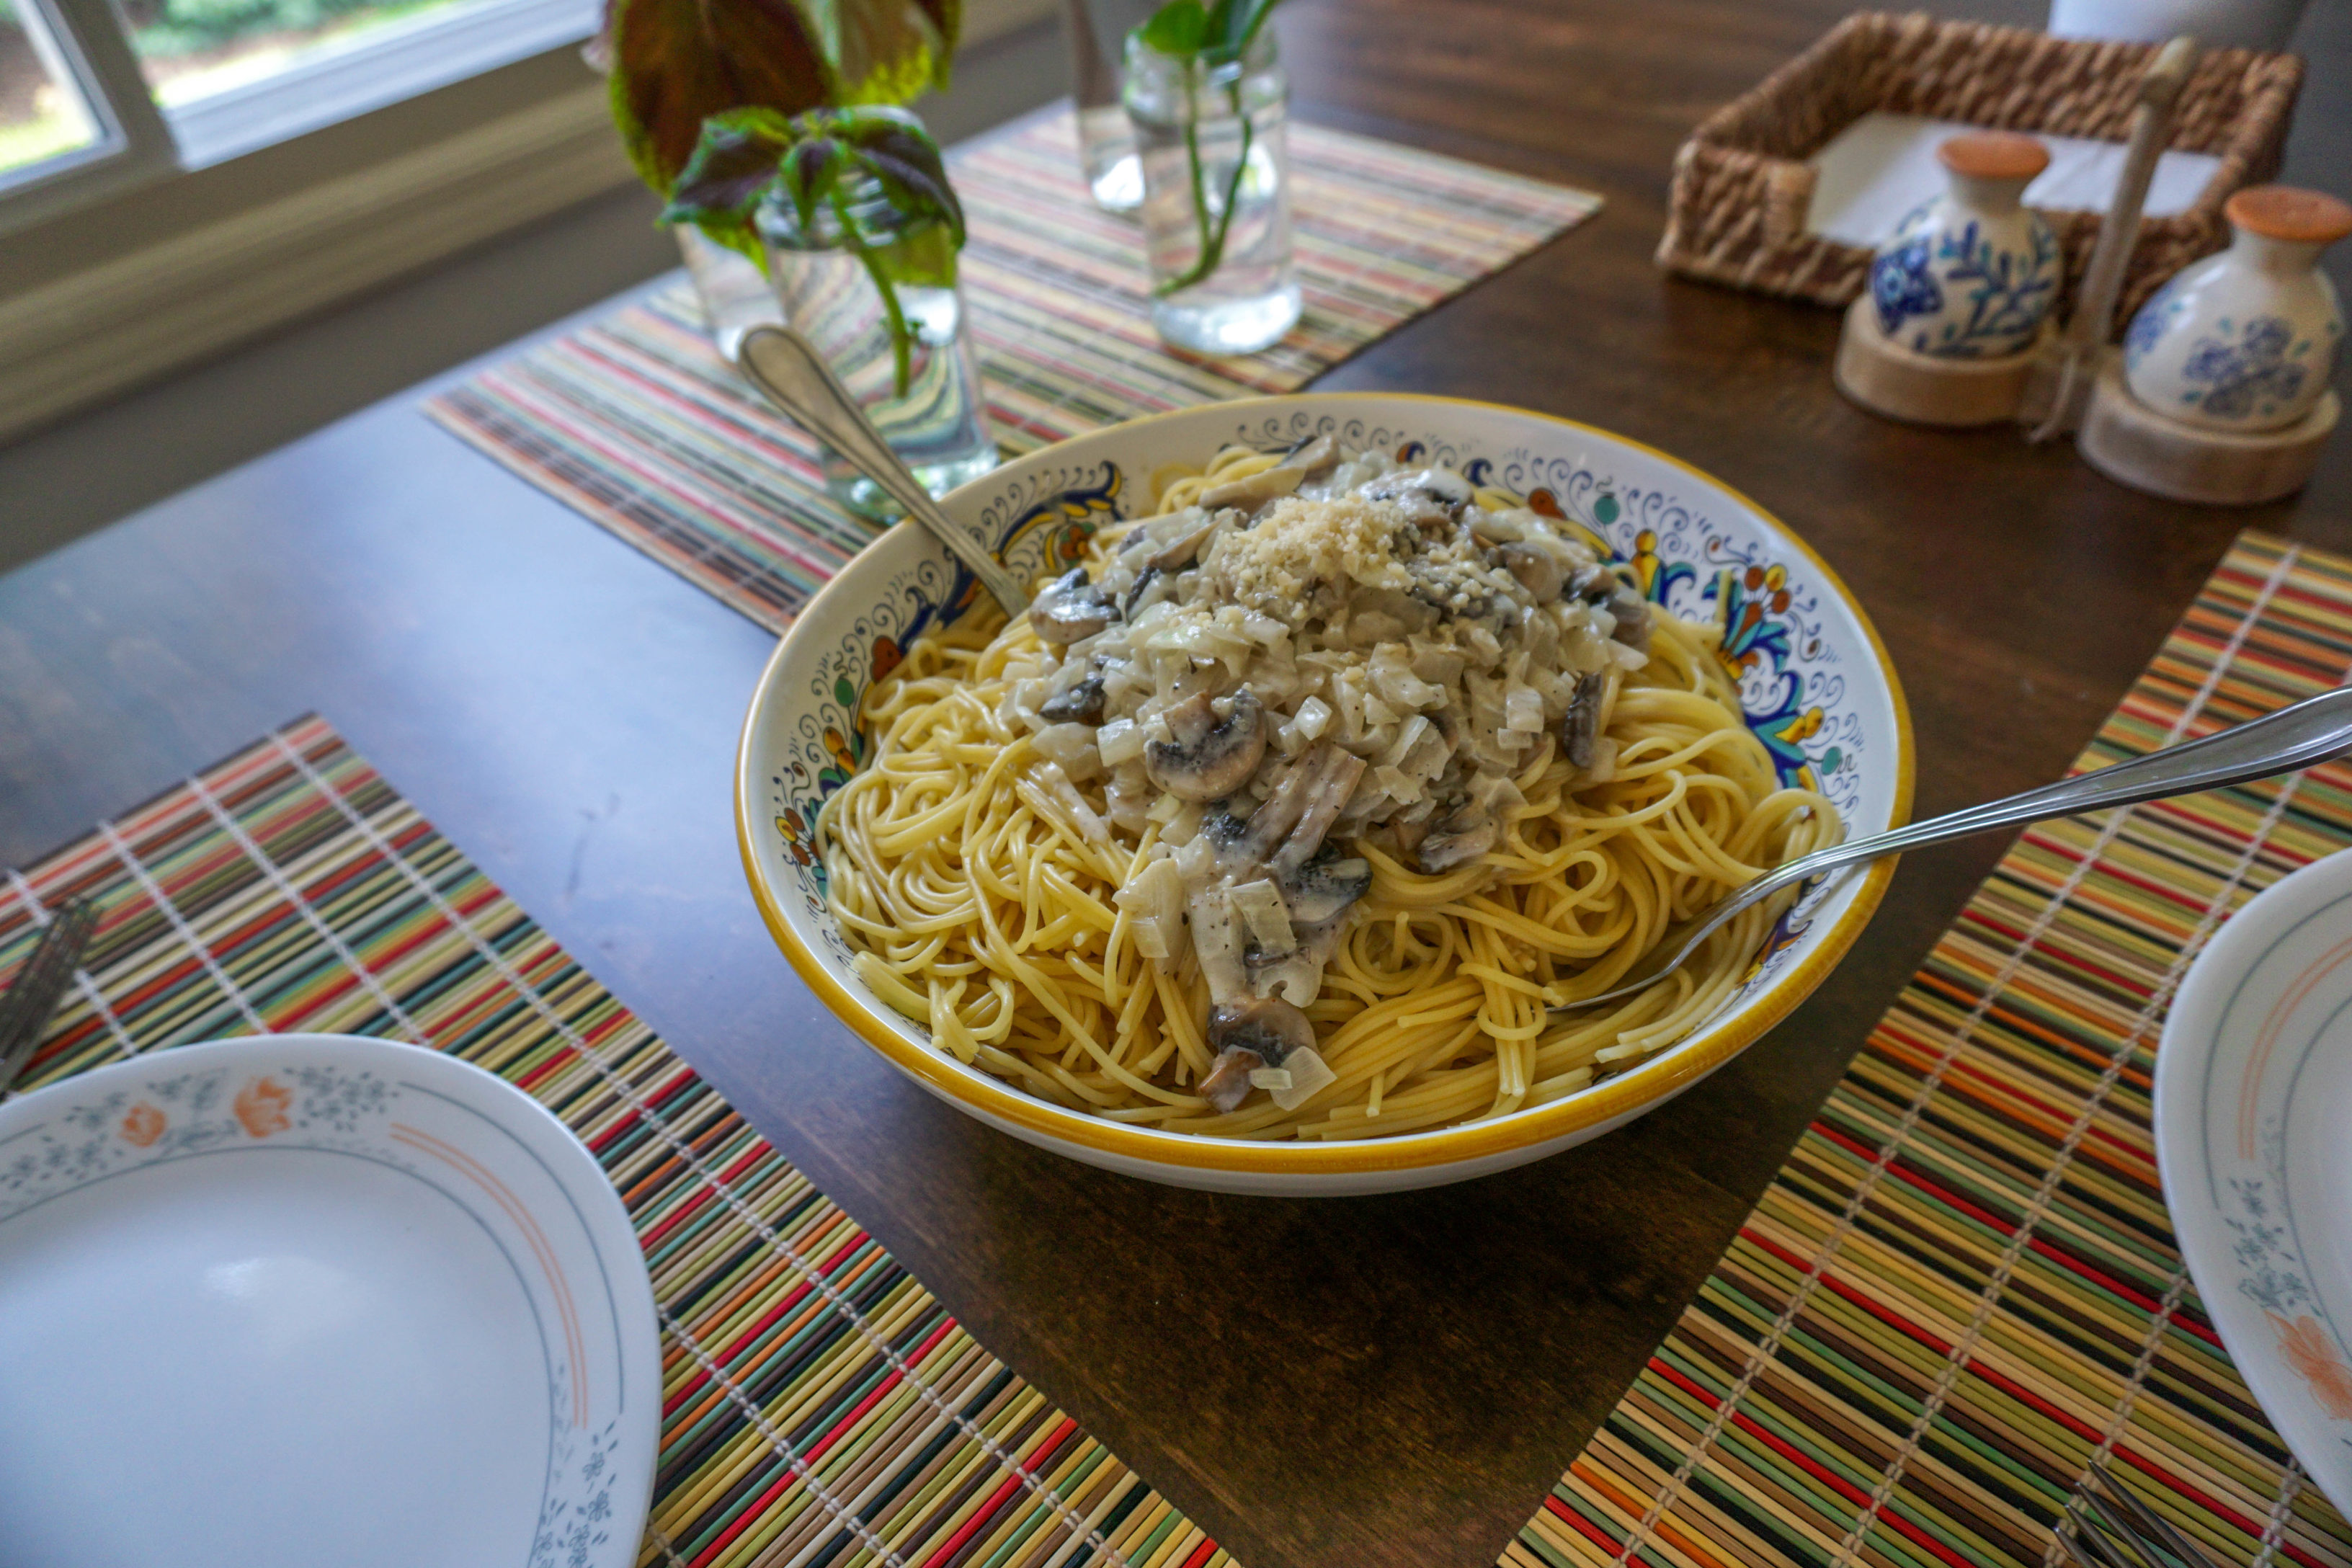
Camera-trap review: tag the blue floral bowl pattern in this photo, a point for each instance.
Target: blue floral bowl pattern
(1965, 285)
(1815, 683)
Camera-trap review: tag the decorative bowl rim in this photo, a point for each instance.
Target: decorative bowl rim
(1654, 1080)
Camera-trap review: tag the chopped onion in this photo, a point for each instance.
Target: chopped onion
(1275, 1079)
(1071, 747)
(1120, 740)
(1523, 709)
(1308, 1074)
(1150, 939)
(1260, 905)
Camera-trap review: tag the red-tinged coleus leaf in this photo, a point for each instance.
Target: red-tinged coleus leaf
(825, 158)
(677, 63)
(732, 166)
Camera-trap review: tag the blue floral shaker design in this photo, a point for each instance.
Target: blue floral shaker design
(1972, 273)
(2245, 340)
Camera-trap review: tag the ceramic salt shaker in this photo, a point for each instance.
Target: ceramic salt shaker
(1971, 273)
(2245, 341)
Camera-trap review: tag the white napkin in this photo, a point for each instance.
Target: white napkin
(1880, 167)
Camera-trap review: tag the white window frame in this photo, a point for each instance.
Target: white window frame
(81, 44)
(383, 64)
(85, 43)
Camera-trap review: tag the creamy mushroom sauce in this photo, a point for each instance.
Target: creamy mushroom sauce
(1333, 648)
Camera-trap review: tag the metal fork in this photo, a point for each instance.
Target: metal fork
(32, 999)
(2133, 1535)
(2308, 732)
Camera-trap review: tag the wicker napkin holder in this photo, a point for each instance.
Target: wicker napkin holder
(1742, 188)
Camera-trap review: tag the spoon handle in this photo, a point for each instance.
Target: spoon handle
(2311, 731)
(794, 377)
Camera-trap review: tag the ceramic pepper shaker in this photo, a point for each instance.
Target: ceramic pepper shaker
(1970, 274)
(2245, 341)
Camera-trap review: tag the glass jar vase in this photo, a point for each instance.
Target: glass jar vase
(1216, 194)
(902, 349)
(1105, 145)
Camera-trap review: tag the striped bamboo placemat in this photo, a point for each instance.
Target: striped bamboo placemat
(820, 1407)
(635, 422)
(1963, 1286)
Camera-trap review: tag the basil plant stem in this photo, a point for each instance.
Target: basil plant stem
(1213, 244)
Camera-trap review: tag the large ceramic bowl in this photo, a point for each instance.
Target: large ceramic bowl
(1816, 683)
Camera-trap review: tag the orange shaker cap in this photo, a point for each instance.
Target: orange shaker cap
(1993, 155)
(2284, 213)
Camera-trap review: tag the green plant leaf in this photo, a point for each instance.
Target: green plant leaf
(1178, 28)
(909, 166)
(924, 256)
(1243, 23)
(677, 63)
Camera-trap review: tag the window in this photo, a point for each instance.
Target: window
(177, 176)
(95, 95)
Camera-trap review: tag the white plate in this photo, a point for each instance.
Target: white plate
(2253, 1113)
(305, 1298)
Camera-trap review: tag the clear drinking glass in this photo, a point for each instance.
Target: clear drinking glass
(1106, 145)
(914, 373)
(1216, 195)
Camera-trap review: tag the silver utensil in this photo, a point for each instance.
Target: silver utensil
(30, 1000)
(2311, 731)
(2134, 1534)
(787, 369)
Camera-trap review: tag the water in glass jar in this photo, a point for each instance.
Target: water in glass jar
(1216, 197)
(916, 377)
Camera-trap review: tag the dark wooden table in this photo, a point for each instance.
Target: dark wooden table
(1374, 1381)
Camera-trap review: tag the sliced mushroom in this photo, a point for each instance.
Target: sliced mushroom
(1410, 832)
(1313, 457)
(1430, 497)
(1632, 613)
(1457, 841)
(1069, 608)
(1333, 784)
(1247, 1036)
(1598, 585)
(1150, 586)
(1580, 727)
(1208, 759)
(1267, 484)
(1538, 572)
(1325, 887)
(1080, 703)
(1184, 545)
(1141, 532)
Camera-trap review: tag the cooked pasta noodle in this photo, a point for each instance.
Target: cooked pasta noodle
(987, 878)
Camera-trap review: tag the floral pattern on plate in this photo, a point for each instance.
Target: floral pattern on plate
(391, 1107)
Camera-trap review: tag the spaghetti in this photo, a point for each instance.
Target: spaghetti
(1297, 810)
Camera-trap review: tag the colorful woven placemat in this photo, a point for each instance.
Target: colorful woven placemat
(636, 422)
(820, 1406)
(1963, 1288)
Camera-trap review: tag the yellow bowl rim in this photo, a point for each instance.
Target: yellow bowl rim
(1646, 1085)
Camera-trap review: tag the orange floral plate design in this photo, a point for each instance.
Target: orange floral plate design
(2253, 1138)
(316, 1299)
